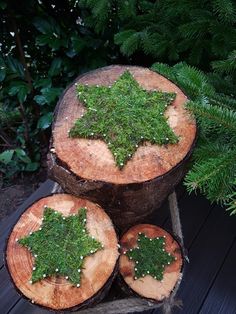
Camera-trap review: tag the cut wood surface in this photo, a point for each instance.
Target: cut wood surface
(92, 160)
(147, 286)
(86, 168)
(57, 292)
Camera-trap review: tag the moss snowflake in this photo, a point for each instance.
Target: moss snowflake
(60, 246)
(150, 257)
(124, 115)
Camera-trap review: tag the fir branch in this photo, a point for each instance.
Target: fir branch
(231, 203)
(222, 117)
(213, 176)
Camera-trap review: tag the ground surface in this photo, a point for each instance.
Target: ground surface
(14, 192)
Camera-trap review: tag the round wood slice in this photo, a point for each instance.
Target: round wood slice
(57, 292)
(87, 168)
(148, 287)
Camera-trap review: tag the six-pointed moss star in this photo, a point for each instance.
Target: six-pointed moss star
(60, 246)
(124, 115)
(150, 257)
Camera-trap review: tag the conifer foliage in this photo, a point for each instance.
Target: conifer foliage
(195, 31)
(214, 168)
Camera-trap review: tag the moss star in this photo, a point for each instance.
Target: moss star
(150, 257)
(124, 115)
(60, 246)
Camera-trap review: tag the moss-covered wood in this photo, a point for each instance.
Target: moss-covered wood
(124, 115)
(60, 246)
(98, 270)
(86, 166)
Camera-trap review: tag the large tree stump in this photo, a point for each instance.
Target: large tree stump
(56, 292)
(147, 286)
(87, 168)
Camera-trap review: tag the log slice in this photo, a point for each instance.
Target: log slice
(56, 292)
(87, 168)
(148, 287)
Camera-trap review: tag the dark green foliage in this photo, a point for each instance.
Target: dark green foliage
(195, 31)
(60, 246)
(150, 257)
(124, 115)
(214, 170)
(43, 47)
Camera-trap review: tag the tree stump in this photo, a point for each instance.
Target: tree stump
(147, 286)
(87, 168)
(56, 292)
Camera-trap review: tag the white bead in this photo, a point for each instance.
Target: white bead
(147, 271)
(136, 262)
(118, 245)
(81, 257)
(79, 270)
(64, 218)
(85, 219)
(76, 84)
(45, 206)
(17, 239)
(40, 228)
(91, 251)
(66, 277)
(35, 255)
(32, 301)
(78, 285)
(34, 268)
(56, 269)
(30, 281)
(44, 275)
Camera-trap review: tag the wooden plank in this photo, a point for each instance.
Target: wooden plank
(194, 210)
(221, 298)
(25, 307)
(7, 224)
(8, 294)
(206, 255)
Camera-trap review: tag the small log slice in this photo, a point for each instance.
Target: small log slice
(87, 168)
(148, 287)
(56, 292)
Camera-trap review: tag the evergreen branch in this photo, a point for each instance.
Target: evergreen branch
(213, 176)
(231, 203)
(225, 10)
(226, 66)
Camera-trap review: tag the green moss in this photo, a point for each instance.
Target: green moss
(60, 246)
(150, 257)
(124, 115)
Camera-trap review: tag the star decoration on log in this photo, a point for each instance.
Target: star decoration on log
(150, 257)
(124, 115)
(60, 246)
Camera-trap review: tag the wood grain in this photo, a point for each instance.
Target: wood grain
(57, 292)
(87, 168)
(147, 286)
(92, 160)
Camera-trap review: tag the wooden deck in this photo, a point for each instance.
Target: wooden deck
(209, 282)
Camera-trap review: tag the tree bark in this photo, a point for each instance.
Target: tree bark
(87, 168)
(56, 292)
(148, 287)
